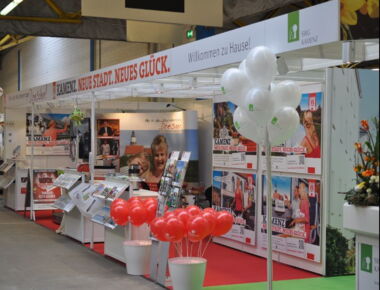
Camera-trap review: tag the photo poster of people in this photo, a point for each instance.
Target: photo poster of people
(230, 149)
(296, 204)
(108, 139)
(302, 153)
(51, 134)
(236, 193)
(147, 139)
(44, 190)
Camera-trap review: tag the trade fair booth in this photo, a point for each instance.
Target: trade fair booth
(177, 93)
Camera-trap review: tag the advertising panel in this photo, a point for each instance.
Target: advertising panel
(236, 193)
(302, 153)
(44, 190)
(296, 219)
(231, 149)
(51, 134)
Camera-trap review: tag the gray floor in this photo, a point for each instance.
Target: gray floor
(33, 257)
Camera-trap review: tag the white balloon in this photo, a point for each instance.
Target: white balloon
(283, 125)
(235, 83)
(248, 128)
(261, 66)
(286, 94)
(260, 105)
(242, 66)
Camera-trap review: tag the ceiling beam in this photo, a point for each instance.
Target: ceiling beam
(41, 19)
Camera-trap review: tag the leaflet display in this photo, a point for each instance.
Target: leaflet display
(67, 180)
(65, 203)
(236, 193)
(83, 197)
(102, 217)
(110, 190)
(296, 217)
(230, 149)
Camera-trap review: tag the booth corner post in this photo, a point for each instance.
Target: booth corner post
(32, 212)
(92, 156)
(268, 149)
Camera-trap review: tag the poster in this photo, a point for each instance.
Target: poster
(230, 149)
(236, 193)
(51, 134)
(44, 190)
(146, 140)
(108, 136)
(302, 153)
(296, 216)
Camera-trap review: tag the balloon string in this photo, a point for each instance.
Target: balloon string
(191, 249)
(181, 248)
(187, 247)
(207, 244)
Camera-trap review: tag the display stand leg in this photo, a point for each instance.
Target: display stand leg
(159, 261)
(268, 154)
(92, 156)
(32, 215)
(92, 235)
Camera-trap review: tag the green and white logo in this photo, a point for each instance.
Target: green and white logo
(294, 26)
(366, 258)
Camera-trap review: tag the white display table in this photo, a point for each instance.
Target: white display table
(114, 239)
(364, 222)
(78, 227)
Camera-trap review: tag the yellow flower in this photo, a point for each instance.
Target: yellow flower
(348, 10)
(371, 7)
(359, 187)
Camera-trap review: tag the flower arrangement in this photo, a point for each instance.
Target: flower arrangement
(366, 191)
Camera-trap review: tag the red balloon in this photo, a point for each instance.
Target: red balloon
(151, 210)
(211, 218)
(224, 221)
(169, 214)
(183, 215)
(119, 211)
(137, 215)
(197, 228)
(133, 198)
(150, 200)
(210, 210)
(134, 202)
(174, 230)
(157, 228)
(193, 210)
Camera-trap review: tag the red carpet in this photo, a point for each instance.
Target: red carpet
(43, 218)
(225, 266)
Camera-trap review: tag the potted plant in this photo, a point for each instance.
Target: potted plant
(361, 211)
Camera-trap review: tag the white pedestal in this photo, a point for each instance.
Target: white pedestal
(364, 222)
(137, 254)
(78, 227)
(187, 273)
(15, 194)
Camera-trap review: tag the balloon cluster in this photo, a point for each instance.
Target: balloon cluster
(135, 210)
(192, 222)
(261, 103)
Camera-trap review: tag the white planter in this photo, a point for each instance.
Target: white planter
(364, 222)
(361, 219)
(187, 273)
(137, 255)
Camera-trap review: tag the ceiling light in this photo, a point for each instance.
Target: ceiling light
(10, 7)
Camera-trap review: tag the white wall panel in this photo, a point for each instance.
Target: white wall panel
(113, 52)
(8, 71)
(48, 59)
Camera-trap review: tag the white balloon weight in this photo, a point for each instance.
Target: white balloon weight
(260, 105)
(283, 125)
(247, 128)
(235, 83)
(286, 94)
(261, 66)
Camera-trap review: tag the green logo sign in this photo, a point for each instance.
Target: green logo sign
(366, 258)
(294, 26)
(251, 107)
(237, 125)
(274, 121)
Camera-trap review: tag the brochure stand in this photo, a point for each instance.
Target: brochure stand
(170, 194)
(7, 182)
